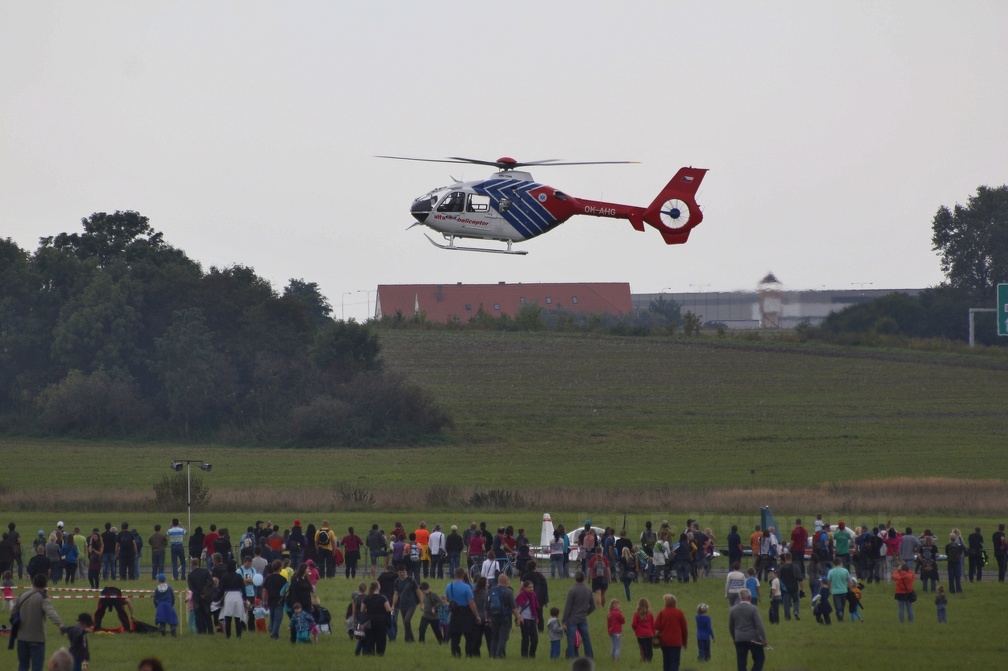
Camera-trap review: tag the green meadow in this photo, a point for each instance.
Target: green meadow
(607, 428)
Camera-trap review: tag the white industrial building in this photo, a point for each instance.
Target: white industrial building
(770, 305)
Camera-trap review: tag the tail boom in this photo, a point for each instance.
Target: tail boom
(674, 212)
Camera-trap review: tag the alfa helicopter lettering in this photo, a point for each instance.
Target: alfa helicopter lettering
(511, 207)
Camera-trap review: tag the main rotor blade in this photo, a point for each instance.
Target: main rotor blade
(505, 165)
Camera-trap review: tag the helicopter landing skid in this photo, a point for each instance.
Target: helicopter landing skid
(451, 246)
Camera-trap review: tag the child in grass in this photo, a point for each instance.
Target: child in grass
(444, 617)
(301, 625)
(164, 606)
(642, 624)
(556, 633)
(752, 584)
(704, 633)
(941, 603)
(77, 634)
(854, 600)
(615, 622)
(8, 590)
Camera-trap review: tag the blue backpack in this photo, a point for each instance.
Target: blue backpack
(495, 601)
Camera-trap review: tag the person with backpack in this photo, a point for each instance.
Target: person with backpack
(405, 600)
(325, 543)
(29, 614)
(501, 606)
(600, 572)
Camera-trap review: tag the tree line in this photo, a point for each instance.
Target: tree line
(113, 333)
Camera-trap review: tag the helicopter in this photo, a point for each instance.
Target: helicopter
(510, 206)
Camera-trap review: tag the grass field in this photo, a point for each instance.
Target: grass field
(653, 426)
(601, 427)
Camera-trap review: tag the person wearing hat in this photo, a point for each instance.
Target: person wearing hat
(164, 606)
(775, 596)
(57, 530)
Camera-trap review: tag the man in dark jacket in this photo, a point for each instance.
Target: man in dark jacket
(200, 583)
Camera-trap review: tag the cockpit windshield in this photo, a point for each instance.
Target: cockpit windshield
(453, 202)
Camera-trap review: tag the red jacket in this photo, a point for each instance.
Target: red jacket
(670, 627)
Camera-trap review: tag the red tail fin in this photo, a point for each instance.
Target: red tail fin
(675, 211)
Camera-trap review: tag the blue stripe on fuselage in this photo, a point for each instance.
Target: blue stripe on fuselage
(526, 214)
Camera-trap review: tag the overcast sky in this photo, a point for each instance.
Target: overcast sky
(246, 131)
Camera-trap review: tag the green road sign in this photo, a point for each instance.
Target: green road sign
(1002, 309)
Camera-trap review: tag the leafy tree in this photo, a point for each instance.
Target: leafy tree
(894, 313)
(185, 356)
(343, 349)
(691, 324)
(97, 330)
(973, 242)
(666, 308)
(310, 298)
(530, 317)
(107, 237)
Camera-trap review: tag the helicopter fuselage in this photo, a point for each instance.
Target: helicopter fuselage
(511, 207)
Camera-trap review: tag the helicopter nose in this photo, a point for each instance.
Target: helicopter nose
(420, 209)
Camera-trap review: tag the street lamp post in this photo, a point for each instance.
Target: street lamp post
(176, 466)
(862, 285)
(342, 305)
(367, 298)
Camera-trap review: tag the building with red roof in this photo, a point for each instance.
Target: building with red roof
(441, 302)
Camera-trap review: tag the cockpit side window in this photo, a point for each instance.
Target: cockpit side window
(453, 203)
(478, 203)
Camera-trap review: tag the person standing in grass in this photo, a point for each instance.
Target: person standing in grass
(734, 583)
(839, 581)
(614, 623)
(33, 607)
(352, 544)
(1000, 542)
(954, 554)
(903, 590)
(465, 619)
(555, 631)
(799, 541)
(735, 548)
(941, 603)
(672, 632)
(704, 633)
(642, 624)
(579, 605)
(790, 587)
(975, 553)
(746, 629)
(531, 612)
(325, 543)
(928, 554)
(453, 545)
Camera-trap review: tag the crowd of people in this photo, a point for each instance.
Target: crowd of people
(255, 580)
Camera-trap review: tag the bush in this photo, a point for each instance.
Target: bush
(171, 492)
